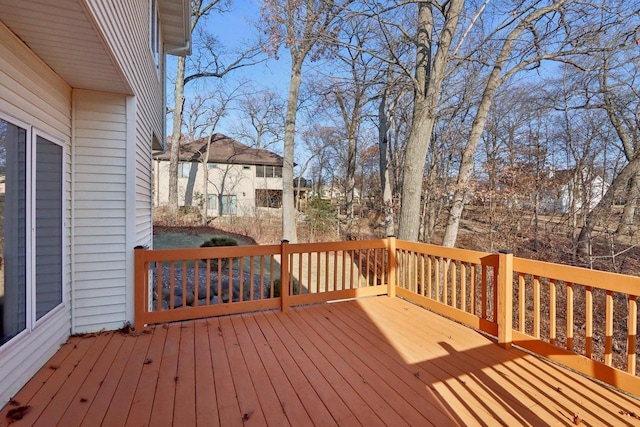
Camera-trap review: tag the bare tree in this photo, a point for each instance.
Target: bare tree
(261, 122)
(208, 60)
(303, 26)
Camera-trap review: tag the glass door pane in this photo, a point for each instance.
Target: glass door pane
(13, 184)
(48, 260)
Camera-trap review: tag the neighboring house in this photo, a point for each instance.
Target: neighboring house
(566, 188)
(241, 180)
(81, 108)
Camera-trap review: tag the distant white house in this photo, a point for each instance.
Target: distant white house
(241, 180)
(81, 108)
(569, 188)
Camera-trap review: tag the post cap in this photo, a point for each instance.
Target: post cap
(284, 241)
(506, 251)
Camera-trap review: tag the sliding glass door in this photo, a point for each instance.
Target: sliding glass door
(31, 209)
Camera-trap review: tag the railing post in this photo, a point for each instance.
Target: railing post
(505, 298)
(140, 293)
(391, 267)
(284, 275)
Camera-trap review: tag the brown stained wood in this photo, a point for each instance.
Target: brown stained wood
(163, 403)
(326, 272)
(463, 286)
(608, 329)
(228, 407)
(172, 285)
(569, 312)
(632, 331)
(588, 299)
(206, 405)
(184, 284)
(521, 303)
(196, 273)
(355, 402)
(159, 287)
(430, 293)
(472, 289)
(552, 312)
(313, 389)
(142, 403)
(258, 377)
(283, 380)
(91, 384)
(518, 386)
(454, 285)
(67, 390)
(208, 282)
(252, 413)
(391, 408)
(363, 362)
(536, 306)
(184, 413)
(484, 295)
(445, 280)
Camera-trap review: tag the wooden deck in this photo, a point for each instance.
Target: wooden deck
(373, 361)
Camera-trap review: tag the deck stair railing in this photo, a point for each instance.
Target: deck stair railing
(584, 319)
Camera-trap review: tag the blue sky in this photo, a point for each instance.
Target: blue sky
(235, 29)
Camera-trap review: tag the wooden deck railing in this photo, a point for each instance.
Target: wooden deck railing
(516, 300)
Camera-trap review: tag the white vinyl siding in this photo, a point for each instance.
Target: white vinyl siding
(126, 25)
(99, 199)
(31, 93)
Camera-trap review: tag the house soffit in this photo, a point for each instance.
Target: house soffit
(65, 36)
(175, 18)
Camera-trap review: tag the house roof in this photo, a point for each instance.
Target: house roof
(223, 150)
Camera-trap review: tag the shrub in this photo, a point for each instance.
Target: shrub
(216, 242)
(276, 288)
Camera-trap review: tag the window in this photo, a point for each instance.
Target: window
(212, 202)
(263, 171)
(228, 204)
(268, 198)
(31, 194)
(212, 165)
(154, 32)
(183, 169)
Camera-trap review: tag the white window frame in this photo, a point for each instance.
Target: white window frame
(31, 324)
(154, 32)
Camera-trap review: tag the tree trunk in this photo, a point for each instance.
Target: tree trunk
(427, 89)
(175, 138)
(629, 212)
(350, 181)
(387, 197)
(289, 231)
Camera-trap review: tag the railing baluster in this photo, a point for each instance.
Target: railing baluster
(570, 316)
(552, 311)
(241, 278)
(463, 286)
(261, 276)
(300, 283)
(472, 289)
(445, 280)
(335, 271)
(184, 283)
(172, 285)
(309, 282)
(485, 295)
(632, 328)
(536, 306)
(608, 326)
(272, 276)
(196, 281)
(160, 297)
(422, 290)
(521, 303)
(588, 299)
(345, 285)
(208, 281)
(429, 278)
(219, 261)
(436, 277)
(326, 272)
(454, 285)
(317, 271)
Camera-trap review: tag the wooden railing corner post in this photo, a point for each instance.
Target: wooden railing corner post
(505, 298)
(140, 287)
(284, 275)
(391, 267)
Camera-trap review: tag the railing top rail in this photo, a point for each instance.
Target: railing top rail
(583, 276)
(338, 246)
(464, 255)
(217, 252)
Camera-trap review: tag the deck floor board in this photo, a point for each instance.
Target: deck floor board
(373, 361)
